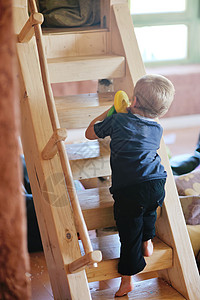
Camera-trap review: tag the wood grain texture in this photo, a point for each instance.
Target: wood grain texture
(89, 159)
(69, 69)
(124, 42)
(97, 207)
(152, 289)
(79, 110)
(63, 42)
(55, 218)
(110, 247)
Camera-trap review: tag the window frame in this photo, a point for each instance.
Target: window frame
(190, 17)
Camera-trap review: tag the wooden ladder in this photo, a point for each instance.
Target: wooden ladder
(60, 55)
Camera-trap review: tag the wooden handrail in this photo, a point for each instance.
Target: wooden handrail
(78, 216)
(51, 149)
(27, 31)
(87, 259)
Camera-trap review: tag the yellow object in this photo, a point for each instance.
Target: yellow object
(121, 102)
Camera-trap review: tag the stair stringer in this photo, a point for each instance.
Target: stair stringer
(171, 227)
(53, 209)
(124, 42)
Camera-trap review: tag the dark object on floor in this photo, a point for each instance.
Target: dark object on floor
(183, 164)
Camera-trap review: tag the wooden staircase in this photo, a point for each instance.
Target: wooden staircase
(109, 51)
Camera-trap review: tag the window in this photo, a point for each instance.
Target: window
(157, 6)
(167, 31)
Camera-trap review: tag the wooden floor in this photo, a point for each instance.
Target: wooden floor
(180, 142)
(41, 288)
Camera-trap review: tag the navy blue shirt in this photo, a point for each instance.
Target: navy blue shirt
(134, 144)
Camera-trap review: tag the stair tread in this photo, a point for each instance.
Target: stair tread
(110, 248)
(89, 149)
(78, 111)
(89, 159)
(84, 100)
(84, 58)
(70, 30)
(88, 67)
(97, 207)
(95, 198)
(151, 289)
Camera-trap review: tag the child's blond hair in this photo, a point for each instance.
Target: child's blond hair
(154, 94)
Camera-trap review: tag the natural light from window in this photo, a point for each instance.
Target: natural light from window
(157, 6)
(157, 43)
(158, 38)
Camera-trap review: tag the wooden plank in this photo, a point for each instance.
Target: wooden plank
(90, 159)
(78, 217)
(90, 168)
(151, 289)
(172, 228)
(90, 149)
(72, 30)
(84, 100)
(97, 207)
(124, 42)
(105, 13)
(60, 43)
(52, 205)
(69, 69)
(78, 111)
(110, 248)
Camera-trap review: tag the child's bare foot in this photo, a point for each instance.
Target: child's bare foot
(126, 286)
(147, 248)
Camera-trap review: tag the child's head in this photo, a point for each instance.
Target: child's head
(154, 95)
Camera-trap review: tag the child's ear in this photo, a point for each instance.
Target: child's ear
(133, 103)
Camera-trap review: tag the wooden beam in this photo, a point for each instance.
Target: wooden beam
(53, 209)
(124, 42)
(105, 13)
(78, 216)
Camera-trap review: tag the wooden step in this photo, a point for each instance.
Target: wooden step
(97, 207)
(78, 111)
(90, 159)
(68, 69)
(67, 42)
(110, 247)
(151, 289)
(72, 30)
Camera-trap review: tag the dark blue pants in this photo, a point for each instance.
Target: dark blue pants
(135, 214)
